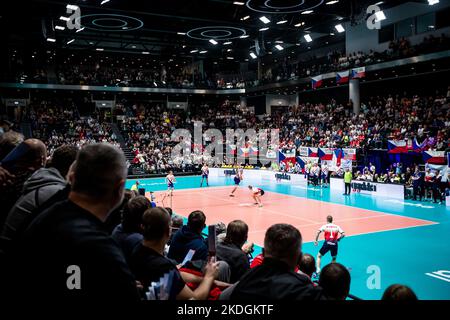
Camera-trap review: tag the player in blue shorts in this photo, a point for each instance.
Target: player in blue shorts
(170, 179)
(237, 180)
(205, 173)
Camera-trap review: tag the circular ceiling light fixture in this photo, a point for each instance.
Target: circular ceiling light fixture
(286, 6)
(216, 33)
(109, 22)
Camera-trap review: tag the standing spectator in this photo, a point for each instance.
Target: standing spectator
(230, 250)
(417, 183)
(70, 236)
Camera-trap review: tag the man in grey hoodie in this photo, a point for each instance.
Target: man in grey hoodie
(37, 190)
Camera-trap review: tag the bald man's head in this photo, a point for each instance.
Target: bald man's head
(30, 155)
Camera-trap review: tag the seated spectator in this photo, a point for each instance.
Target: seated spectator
(71, 233)
(230, 250)
(190, 237)
(335, 281)
(149, 264)
(43, 185)
(8, 141)
(275, 278)
(398, 292)
(307, 265)
(31, 156)
(128, 234)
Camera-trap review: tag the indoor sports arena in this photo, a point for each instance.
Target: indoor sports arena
(226, 151)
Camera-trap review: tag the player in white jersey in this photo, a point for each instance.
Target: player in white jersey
(170, 179)
(205, 173)
(257, 193)
(332, 234)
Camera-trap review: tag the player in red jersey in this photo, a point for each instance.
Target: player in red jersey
(333, 234)
(257, 193)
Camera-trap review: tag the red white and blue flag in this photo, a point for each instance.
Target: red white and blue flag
(434, 157)
(286, 158)
(254, 151)
(313, 152)
(349, 154)
(358, 73)
(243, 152)
(397, 146)
(316, 82)
(325, 154)
(338, 155)
(342, 77)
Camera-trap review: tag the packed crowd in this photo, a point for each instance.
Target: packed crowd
(73, 213)
(56, 125)
(338, 61)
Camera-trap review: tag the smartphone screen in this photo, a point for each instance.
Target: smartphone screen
(212, 240)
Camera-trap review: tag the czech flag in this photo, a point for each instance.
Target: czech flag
(349, 154)
(325, 154)
(244, 152)
(342, 77)
(358, 73)
(338, 155)
(301, 162)
(313, 152)
(397, 146)
(231, 149)
(286, 159)
(434, 157)
(254, 151)
(316, 82)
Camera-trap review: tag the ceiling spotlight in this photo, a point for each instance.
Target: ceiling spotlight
(279, 47)
(181, 33)
(332, 2)
(339, 28)
(60, 28)
(64, 18)
(245, 18)
(145, 52)
(203, 51)
(51, 40)
(99, 49)
(230, 58)
(253, 55)
(244, 36)
(380, 16)
(264, 19)
(103, 2)
(214, 42)
(69, 42)
(81, 29)
(432, 2)
(307, 38)
(194, 51)
(264, 29)
(307, 11)
(298, 25)
(227, 43)
(282, 22)
(238, 3)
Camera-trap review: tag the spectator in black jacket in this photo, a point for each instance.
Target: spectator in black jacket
(71, 254)
(190, 237)
(275, 278)
(128, 234)
(230, 250)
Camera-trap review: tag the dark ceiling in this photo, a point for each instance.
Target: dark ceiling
(180, 28)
